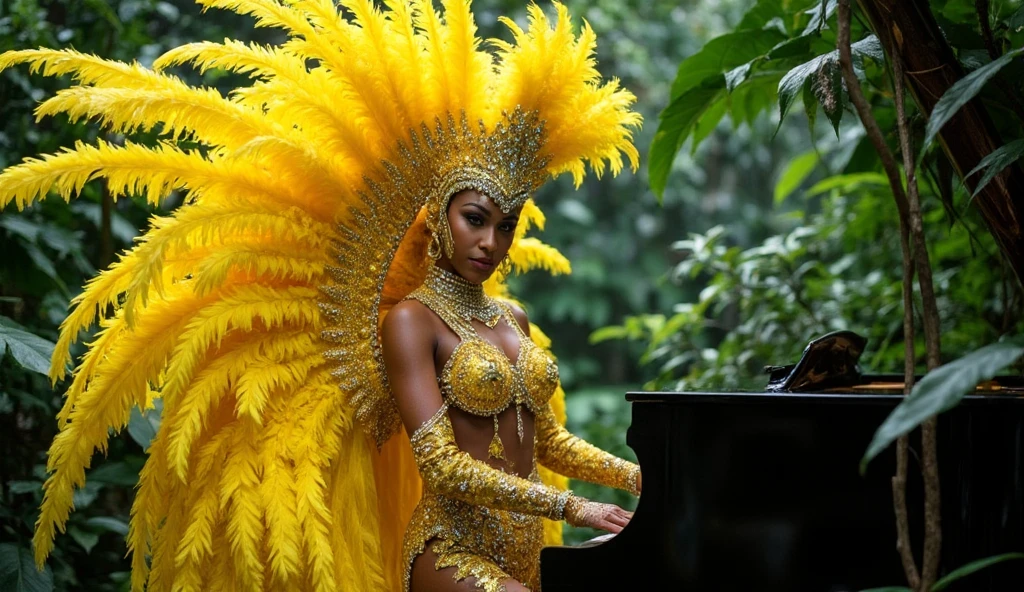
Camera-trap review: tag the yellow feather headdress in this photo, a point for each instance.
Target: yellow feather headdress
(253, 310)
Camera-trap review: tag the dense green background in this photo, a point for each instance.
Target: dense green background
(767, 234)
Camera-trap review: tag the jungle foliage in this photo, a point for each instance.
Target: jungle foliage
(835, 262)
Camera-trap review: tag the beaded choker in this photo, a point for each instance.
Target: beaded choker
(464, 298)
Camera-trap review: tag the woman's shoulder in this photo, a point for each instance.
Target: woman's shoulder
(520, 316)
(409, 319)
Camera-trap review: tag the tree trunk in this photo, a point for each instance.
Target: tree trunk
(970, 135)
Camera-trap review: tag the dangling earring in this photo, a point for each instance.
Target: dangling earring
(505, 267)
(434, 247)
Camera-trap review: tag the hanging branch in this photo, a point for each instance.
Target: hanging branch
(908, 205)
(929, 452)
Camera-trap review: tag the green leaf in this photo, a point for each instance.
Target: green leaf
(959, 94)
(994, 163)
(760, 14)
(736, 76)
(827, 87)
(791, 48)
(708, 121)
(86, 495)
(795, 174)
(31, 351)
(820, 15)
(1016, 21)
(848, 183)
(87, 540)
(609, 333)
(108, 524)
(677, 121)
(17, 487)
(18, 571)
(753, 98)
(143, 427)
(826, 74)
(972, 567)
(941, 390)
(810, 108)
(722, 54)
(102, 7)
(118, 473)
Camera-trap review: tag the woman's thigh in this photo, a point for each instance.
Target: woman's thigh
(427, 579)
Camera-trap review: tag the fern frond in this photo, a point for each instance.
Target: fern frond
(148, 508)
(268, 13)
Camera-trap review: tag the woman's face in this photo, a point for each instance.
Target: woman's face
(481, 233)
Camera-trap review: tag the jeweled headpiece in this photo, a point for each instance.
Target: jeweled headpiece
(504, 163)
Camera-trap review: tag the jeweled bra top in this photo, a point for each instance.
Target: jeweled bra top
(478, 377)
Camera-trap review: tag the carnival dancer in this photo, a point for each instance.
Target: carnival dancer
(333, 283)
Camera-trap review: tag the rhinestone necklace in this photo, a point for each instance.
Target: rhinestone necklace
(465, 299)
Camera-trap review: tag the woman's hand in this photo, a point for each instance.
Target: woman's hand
(609, 517)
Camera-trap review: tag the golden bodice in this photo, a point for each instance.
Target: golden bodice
(478, 377)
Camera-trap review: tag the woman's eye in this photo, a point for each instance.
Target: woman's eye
(474, 219)
(507, 228)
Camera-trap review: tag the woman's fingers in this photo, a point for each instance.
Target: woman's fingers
(611, 527)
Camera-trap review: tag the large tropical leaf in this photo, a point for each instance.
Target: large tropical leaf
(972, 567)
(941, 390)
(994, 163)
(18, 571)
(29, 350)
(960, 93)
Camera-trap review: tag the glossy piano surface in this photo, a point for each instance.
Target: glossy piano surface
(761, 492)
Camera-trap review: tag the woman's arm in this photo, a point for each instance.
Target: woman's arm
(562, 452)
(559, 450)
(408, 340)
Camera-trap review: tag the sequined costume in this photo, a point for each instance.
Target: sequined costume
(314, 202)
(484, 521)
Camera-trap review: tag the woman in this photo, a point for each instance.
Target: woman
(317, 202)
(453, 438)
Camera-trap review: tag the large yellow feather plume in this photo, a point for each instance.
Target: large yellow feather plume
(260, 477)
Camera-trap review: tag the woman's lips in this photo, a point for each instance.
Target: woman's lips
(482, 264)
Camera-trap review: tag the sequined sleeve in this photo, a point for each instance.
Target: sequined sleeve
(559, 450)
(448, 470)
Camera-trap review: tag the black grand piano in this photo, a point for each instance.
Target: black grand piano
(761, 491)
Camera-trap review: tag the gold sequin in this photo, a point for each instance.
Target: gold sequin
(481, 519)
(478, 377)
(559, 450)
